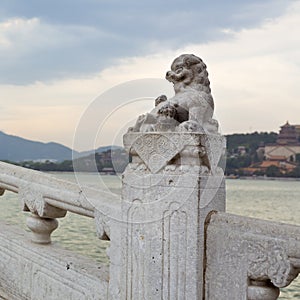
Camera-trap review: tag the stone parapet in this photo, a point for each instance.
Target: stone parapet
(248, 258)
(32, 271)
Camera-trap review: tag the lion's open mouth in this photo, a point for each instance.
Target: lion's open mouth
(173, 77)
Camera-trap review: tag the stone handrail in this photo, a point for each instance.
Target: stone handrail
(248, 258)
(31, 271)
(49, 198)
(51, 271)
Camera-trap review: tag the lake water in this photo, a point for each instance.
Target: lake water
(266, 199)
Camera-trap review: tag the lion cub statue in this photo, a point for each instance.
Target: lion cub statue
(192, 107)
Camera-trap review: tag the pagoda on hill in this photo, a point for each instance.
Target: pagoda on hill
(288, 135)
(287, 145)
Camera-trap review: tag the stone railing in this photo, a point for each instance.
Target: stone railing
(37, 269)
(48, 198)
(249, 258)
(244, 258)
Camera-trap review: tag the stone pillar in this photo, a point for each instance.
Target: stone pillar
(169, 188)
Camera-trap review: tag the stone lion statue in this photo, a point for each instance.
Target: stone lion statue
(192, 100)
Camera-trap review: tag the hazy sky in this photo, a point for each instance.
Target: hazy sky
(59, 55)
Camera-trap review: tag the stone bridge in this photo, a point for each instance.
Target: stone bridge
(170, 237)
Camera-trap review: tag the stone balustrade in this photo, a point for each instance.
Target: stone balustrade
(248, 258)
(33, 268)
(48, 198)
(244, 258)
(31, 271)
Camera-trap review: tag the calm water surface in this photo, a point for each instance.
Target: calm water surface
(266, 199)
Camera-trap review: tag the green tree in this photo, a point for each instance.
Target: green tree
(273, 171)
(250, 140)
(295, 173)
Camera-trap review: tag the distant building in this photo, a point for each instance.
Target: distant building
(284, 167)
(44, 160)
(242, 150)
(287, 145)
(297, 127)
(281, 154)
(287, 135)
(261, 151)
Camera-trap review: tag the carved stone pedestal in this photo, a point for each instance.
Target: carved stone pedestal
(166, 198)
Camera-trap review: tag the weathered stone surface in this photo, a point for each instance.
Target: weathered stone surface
(47, 197)
(35, 272)
(249, 258)
(157, 150)
(169, 188)
(41, 228)
(163, 236)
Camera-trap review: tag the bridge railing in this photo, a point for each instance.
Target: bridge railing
(46, 199)
(175, 248)
(248, 258)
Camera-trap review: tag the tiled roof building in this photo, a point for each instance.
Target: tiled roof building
(287, 145)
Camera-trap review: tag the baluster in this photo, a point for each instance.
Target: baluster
(41, 228)
(262, 290)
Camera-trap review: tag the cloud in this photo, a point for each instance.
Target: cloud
(34, 50)
(62, 39)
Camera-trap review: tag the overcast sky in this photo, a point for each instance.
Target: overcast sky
(58, 55)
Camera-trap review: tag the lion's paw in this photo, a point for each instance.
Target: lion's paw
(190, 126)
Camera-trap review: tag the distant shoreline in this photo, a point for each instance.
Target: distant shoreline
(226, 177)
(264, 178)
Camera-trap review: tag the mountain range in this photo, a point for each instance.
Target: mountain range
(14, 148)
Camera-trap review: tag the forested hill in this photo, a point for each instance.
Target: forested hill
(15, 149)
(250, 140)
